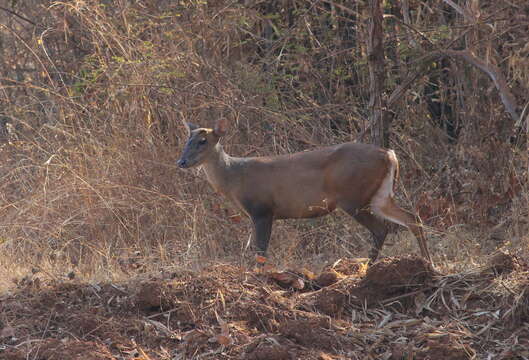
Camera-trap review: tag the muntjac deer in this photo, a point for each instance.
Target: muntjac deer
(355, 177)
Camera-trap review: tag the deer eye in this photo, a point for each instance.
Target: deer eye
(202, 141)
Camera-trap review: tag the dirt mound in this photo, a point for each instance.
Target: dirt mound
(192, 298)
(393, 278)
(331, 302)
(397, 308)
(268, 348)
(315, 332)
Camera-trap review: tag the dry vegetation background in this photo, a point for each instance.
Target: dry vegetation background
(108, 251)
(93, 94)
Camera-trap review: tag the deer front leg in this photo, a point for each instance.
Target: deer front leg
(262, 228)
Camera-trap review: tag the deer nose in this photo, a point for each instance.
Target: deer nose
(182, 163)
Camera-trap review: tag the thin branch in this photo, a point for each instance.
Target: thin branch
(507, 98)
(410, 27)
(402, 88)
(522, 117)
(467, 15)
(18, 16)
(495, 74)
(421, 68)
(343, 8)
(405, 10)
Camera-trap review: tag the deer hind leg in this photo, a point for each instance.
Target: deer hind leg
(383, 205)
(377, 228)
(387, 209)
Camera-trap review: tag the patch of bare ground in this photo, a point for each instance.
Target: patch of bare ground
(397, 308)
(54, 349)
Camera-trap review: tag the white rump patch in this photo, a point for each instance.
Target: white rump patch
(385, 191)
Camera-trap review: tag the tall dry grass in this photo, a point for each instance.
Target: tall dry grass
(92, 102)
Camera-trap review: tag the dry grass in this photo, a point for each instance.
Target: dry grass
(90, 137)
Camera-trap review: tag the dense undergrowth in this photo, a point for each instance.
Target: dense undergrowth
(93, 95)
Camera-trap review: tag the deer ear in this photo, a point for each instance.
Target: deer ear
(220, 127)
(190, 127)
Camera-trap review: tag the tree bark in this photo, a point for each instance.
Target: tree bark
(380, 118)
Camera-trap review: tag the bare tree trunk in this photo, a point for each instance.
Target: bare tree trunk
(380, 118)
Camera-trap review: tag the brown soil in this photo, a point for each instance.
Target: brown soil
(268, 349)
(398, 308)
(446, 347)
(310, 332)
(393, 278)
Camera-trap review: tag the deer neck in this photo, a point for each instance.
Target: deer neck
(217, 168)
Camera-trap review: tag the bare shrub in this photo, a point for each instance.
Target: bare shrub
(93, 99)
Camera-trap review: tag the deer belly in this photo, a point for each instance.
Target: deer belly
(303, 208)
